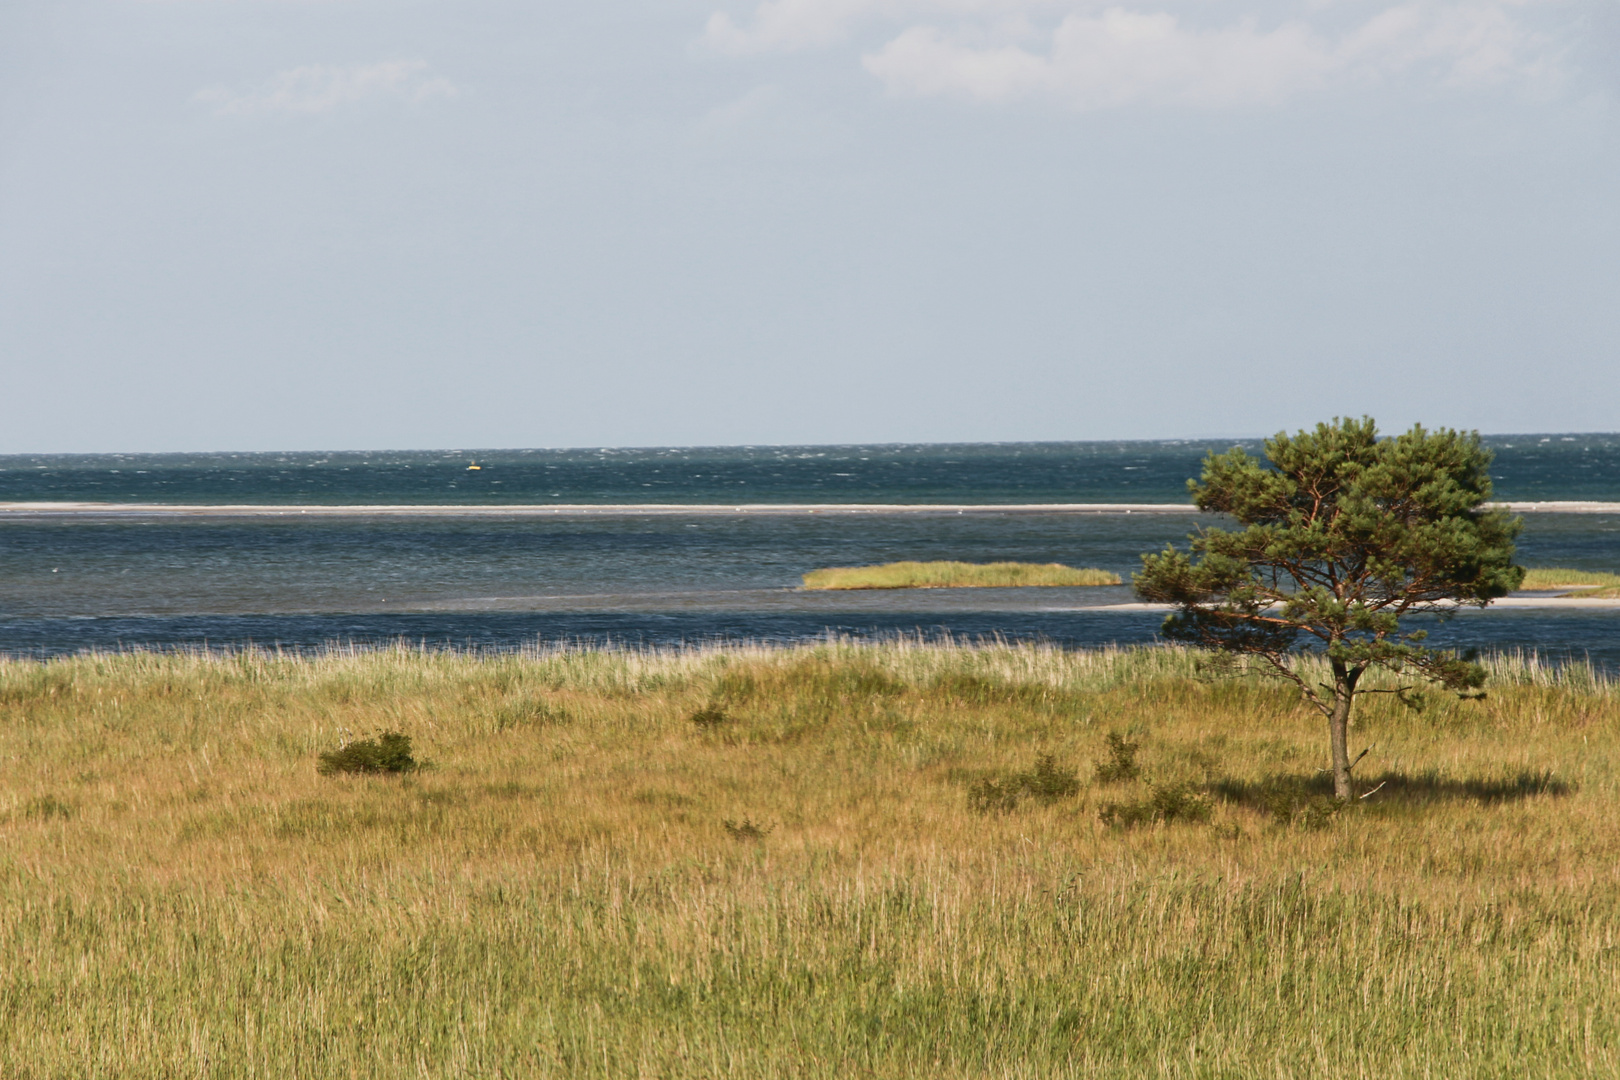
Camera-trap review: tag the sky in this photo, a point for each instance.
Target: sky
(368, 224)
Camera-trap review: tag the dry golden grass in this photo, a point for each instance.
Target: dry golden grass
(956, 575)
(569, 890)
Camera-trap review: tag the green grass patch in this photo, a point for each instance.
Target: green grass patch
(389, 752)
(956, 575)
(1541, 577)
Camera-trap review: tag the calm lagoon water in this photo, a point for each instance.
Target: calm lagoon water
(121, 579)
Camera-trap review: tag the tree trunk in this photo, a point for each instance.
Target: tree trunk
(1344, 691)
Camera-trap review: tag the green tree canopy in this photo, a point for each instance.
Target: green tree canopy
(1343, 535)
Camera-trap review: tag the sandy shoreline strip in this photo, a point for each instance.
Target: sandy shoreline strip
(1560, 507)
(100, 509)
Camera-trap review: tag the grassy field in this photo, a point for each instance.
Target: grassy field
(1555, 578)
(955, 575)
(839, 861)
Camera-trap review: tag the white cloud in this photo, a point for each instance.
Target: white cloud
(319, 88)
(802, 24)
(1115, 58)
(1092, 56)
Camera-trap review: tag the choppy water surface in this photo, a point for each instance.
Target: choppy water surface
(1529, 467)
(68, 583)
(129, 579)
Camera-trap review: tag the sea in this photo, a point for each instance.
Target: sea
(475, 567)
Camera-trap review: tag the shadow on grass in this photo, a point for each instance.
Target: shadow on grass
(1286, 796)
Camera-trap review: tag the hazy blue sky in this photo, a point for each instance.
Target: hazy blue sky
(228, 224)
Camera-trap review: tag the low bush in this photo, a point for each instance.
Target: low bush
(710, 716)
(746, 830)
(389, 752)
(1167, 803)
(994, 794)
(1047, 782)
(1121, 762)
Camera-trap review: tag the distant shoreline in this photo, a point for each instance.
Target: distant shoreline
(98, 509)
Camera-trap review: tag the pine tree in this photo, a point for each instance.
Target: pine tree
(1343, 535)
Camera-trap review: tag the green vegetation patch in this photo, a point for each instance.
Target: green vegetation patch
(1047, 783)
(1552, 577)
(389, 752)
(956, 575)
(1610, 593)
(1164, 803)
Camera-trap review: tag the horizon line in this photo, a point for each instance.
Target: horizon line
(1161, 440)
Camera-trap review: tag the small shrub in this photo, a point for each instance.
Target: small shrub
(1047, 782)
(993, 795)
(1180, 802)
(1167, 803)
(389, 752)
(746, 830)
(710, 716)
(1121, 763)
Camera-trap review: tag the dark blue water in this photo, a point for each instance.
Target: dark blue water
(1528, 467)
(70, 582)
(1583, 635)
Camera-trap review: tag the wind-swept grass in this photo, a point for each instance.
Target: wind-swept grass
(1556, 578)
(586, 881)
(955, 575)
(1610, 593)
